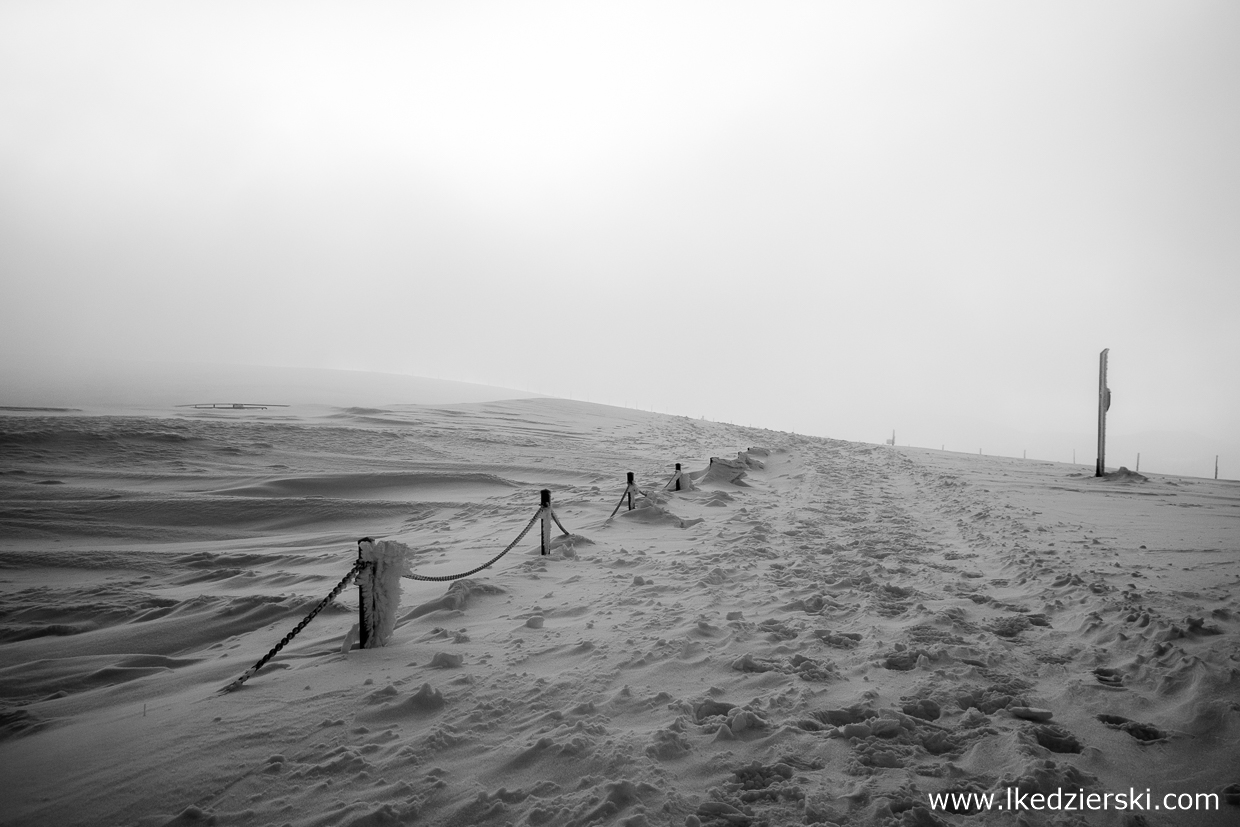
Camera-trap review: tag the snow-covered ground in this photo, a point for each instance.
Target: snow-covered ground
(830, 638)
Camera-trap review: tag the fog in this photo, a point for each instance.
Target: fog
(838, 219)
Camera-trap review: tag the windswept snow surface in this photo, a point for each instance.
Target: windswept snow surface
(848, 631)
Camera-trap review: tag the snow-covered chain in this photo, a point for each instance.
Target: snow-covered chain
(511, 546)
(361, 564)
(336, 591)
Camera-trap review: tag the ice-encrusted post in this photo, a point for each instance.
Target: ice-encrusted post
(383, 563)
(680, 481)
(365, 597)
(545, 513)
(1104, 404)
(630, 487)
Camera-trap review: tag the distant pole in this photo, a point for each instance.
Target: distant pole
(1216, 466)
(1024, 454)
(1074, 456)
(546, 520)
(1104, 404)
(1138, 468)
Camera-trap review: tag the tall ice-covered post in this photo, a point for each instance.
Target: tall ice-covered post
(1104, 404)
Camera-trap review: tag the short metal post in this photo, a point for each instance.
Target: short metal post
(629, 490)
(678, 476)
(546, 520)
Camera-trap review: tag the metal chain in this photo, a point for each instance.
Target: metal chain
(622, 496)
(511, 546)
(567, 533)
(617, 508)
(334, 593)
(358, 566)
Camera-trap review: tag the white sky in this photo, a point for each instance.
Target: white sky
(835, 218)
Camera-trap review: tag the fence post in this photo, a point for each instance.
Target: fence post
(677, 476)
(545, 512)
(629, 490)
(365, 599)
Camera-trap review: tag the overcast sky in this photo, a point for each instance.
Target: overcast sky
(835, 218)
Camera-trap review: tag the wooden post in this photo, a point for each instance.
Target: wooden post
(1216, 466)
(1104, 404)
(1138, 468)
(365, 600)
(629, 488)
(545, 513)
(677, 476)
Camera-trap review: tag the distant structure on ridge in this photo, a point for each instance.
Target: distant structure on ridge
(233, 406)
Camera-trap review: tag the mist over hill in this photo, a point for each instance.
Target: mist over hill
(119, 384)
